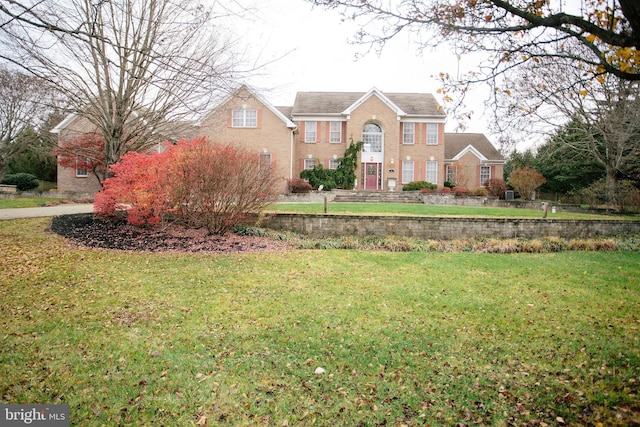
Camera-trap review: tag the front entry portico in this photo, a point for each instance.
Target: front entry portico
(372, 157)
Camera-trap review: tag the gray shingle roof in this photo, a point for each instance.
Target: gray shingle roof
(421, 104)
(454, 143)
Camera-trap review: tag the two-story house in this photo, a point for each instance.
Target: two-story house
(403, 135)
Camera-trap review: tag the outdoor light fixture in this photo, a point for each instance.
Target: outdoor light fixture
(408, 158)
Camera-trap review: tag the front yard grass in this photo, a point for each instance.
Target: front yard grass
(28, 202)
(403, 338)
(431, 210)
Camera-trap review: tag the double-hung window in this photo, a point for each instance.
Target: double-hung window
(451, 173)
(432, 134)
(309, 164)
(485, 174)
(265, 160)
(335, 132)
(310, 131)
(333, 164)
(244, 118)
(408, 133)
(81, 167)
(432, 172)
(407, 171)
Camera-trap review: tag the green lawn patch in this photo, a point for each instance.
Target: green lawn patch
(27, 202)
(429, 210)
(403, 338)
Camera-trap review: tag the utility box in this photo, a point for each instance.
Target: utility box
(509, 195)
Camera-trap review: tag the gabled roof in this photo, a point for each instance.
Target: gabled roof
(342, 103)
(275, 110)
(64, 123)
(457, 145)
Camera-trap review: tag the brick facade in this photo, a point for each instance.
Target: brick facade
(280, 133)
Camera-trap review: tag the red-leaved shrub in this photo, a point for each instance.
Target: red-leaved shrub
(202, 185)
(299, 185)
(496, 187)
(460, 191)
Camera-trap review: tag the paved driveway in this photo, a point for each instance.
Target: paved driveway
(45, 211)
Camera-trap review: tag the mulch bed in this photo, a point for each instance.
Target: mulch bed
(85, 230)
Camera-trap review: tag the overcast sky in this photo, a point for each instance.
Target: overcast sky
(318, 56)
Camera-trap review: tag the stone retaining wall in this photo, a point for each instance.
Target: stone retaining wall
(328, 225)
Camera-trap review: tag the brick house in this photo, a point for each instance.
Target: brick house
(403, 134)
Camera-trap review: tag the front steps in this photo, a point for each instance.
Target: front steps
(355, 196)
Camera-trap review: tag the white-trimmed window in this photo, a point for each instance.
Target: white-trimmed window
(451, 173)
(309, 164)
(81, 168)
(407, 171)
(265, 160)
(310, 131)
(334, 163)
(335, 133)
(432, 172)
(408, 133)
(432, 133)
(244, 118)
(485, 174)
(372, 138)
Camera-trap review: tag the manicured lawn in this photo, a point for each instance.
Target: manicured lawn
(26, 202)
(430, 210)
(403, 338)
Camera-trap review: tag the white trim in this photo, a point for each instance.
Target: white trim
(254, 93)
(64, 123)
(318, 118)
(469, 149)
(399, 112)
(423, 119)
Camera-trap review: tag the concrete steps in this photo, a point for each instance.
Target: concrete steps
(378, 197)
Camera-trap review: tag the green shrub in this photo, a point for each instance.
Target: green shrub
(419, 185)
(319, 176)
(23, 181)
(449, 184)
(479, 191)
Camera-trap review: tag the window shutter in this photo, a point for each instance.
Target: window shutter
(259, 118)
(229, 118)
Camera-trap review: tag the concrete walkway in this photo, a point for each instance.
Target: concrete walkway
(45, 211)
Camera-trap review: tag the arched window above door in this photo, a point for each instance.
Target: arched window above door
(372, 137)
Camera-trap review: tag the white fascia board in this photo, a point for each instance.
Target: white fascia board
(319, 117)
(273, 109)
(263, 101)
(382, 97)
(470, 149)
(423, 119)
(64, 123)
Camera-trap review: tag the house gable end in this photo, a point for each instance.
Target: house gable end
(277, 111)
(469, 149)
(374, 92)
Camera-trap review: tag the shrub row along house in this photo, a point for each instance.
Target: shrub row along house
(403, 135)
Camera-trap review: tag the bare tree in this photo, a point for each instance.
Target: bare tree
(509, 32)
(515, 30)
(600, 118)
(144, 67)
(25, 102)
